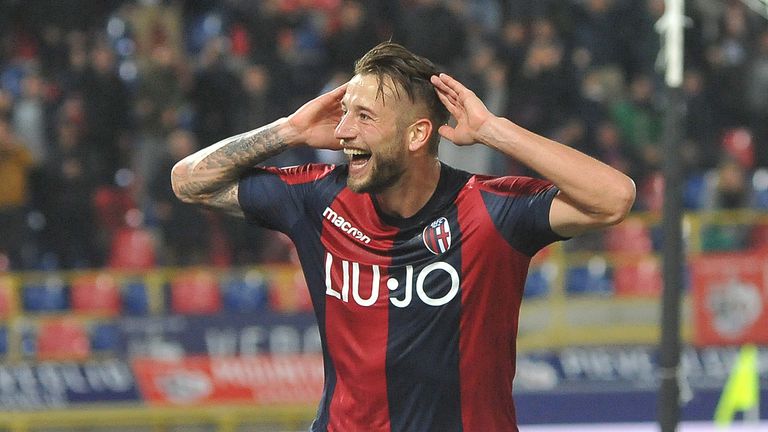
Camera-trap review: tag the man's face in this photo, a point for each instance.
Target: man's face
(371, 134)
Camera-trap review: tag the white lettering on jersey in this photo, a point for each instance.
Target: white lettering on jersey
(344, 226)
(392, 283)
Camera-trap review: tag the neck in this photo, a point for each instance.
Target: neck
(412, 191)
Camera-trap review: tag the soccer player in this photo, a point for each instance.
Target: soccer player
(415, 269)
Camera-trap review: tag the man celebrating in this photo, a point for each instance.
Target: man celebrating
(416, 270)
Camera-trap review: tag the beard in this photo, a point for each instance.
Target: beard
(385, 169)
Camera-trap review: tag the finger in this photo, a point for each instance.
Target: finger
(338, 92)
(441, 86)
(449, 103)
(447, 132)
(444, 83)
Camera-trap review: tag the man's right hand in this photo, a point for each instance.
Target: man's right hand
(313, 124)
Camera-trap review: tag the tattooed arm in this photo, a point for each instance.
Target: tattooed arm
(210, 176)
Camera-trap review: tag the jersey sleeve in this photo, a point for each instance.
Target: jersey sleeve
(519, 207)
(276, 198)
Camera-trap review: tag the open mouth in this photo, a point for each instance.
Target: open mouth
(357, 158)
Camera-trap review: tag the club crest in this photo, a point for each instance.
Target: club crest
(437, 236)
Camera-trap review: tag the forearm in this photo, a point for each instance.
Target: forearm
(592, 186)
(214, 168)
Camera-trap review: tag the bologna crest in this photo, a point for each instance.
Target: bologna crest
(437, 236)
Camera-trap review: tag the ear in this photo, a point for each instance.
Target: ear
(418, 134)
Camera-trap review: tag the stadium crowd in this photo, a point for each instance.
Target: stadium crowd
(99, 99)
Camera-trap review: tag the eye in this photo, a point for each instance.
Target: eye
(364, 116)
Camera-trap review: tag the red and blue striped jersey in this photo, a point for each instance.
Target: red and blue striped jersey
(418, 316)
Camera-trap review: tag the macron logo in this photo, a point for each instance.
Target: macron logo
(345, 226)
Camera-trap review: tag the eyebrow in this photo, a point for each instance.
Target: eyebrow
(359, 107)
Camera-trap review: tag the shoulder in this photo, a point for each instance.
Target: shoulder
(301, 173)
(510, 185)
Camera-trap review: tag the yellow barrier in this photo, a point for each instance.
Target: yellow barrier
(161, 419)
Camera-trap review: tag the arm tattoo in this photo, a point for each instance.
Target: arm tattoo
(210, 176)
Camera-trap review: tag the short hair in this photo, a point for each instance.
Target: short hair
(410, 72)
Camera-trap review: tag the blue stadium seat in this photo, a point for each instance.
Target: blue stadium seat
(49, 295)
(28, 340)
(135, 298)
(695, 191)
(537, 284)
(247, 293)
(760, 189)
(105, 336)
(589, 279)
(3, 341)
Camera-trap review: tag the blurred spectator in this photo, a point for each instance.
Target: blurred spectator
(756, 95)
(159, 99)
(488, 78)
(354, 37)
(68, 207)
(107, 112)
(511, 45)
(610, 148)
(184, 227)
(701, 148)
(29, 117)
(16, 161)
(430, 29)
(596, 32)
(732, 186)
(214, 94)
(544, 92)
(259, 105)
(727, 59)
(640, 124)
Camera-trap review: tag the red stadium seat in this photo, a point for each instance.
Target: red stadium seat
(96, 294)
(758, 238)
(630, 236)
(132, 249)
(62, 339)
(195, 292)
(638, 279)
(111, 204)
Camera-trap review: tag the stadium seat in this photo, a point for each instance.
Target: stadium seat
(594, 278)
(111, 204)
(246, 293)
(3, 340)
(96, 294)
(7, 297)
(28, 342)
(537, 284)
(630, 236)
(105, 336)
(697, 190)
(758, 237)
(62, 339)
(195, 292)
(760, 189)
(638, 279)
(132, 249)
(49, 295)
(135, 297)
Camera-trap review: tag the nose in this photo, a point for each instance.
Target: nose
(345, 129)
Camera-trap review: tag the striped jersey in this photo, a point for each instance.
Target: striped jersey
(417, 316)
